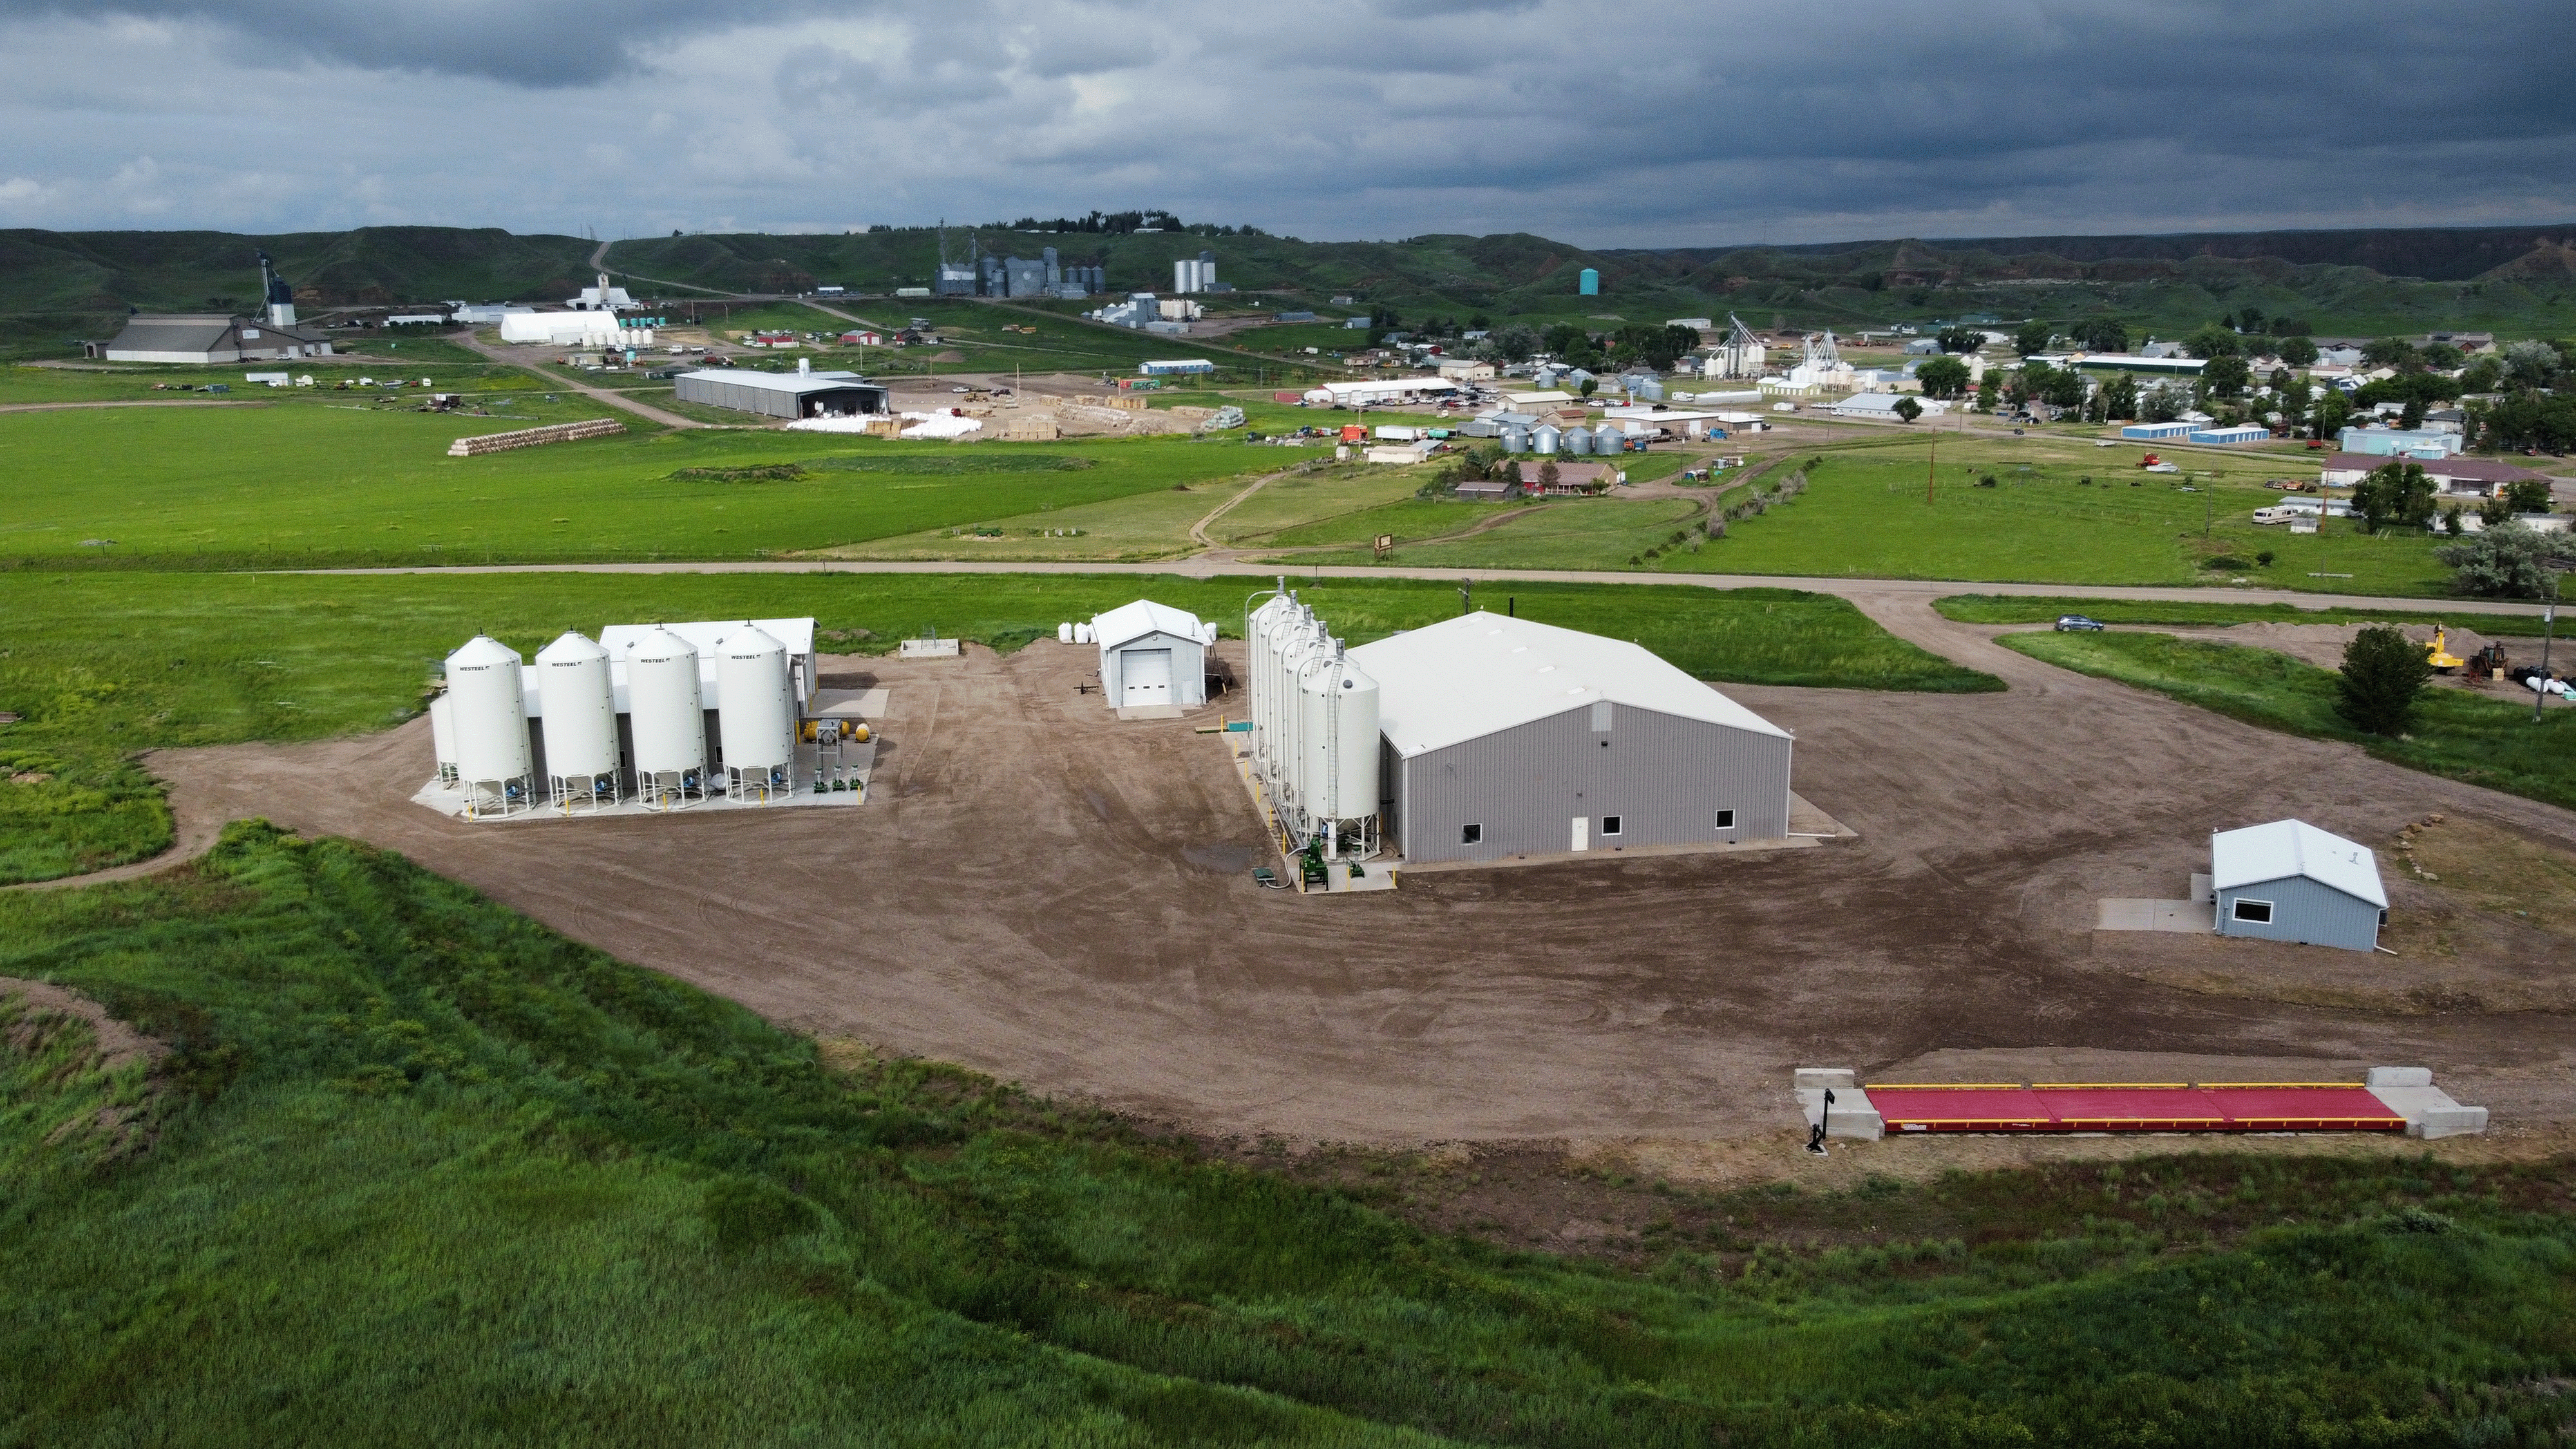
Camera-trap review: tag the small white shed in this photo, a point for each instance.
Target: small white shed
(1152, 655)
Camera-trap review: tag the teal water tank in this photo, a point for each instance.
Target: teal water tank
(1589, 284)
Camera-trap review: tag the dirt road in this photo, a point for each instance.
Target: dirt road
(1048, 895)
(648, 412)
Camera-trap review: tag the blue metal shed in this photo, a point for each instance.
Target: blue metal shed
(2290, 881)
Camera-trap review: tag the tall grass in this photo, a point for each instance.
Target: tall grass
(2456, 734)
(426, 1173)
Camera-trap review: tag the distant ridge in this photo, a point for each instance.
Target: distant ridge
(2433, 254)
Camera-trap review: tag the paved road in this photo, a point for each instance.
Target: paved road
(1203, 568)
(472, 343)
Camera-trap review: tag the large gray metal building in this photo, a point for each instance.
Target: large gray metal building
(1504, 737)
(207, 337)
(797, 394)
(2290, 881)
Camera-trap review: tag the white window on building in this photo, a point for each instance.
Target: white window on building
(1471, 835)
(2257, 912)
(1610, 824)
(1726, 820)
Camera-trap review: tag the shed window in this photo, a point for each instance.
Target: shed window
(1471, 835)
(1726, 820)
(2258, 912)
(1609, 824)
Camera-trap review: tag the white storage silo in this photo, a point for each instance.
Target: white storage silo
(578, 720)
(442, 738)
(1255, 646)
(1282, 632)
(756, 712)
(1309, 645)
(488, 719)
(669, 723)
(1340, 702)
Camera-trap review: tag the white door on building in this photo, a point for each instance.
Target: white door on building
(1145, 676)
(1582, 832)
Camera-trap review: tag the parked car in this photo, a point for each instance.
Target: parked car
(2077, 624)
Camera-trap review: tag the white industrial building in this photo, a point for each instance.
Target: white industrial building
(1152, 656)
(573, 329)
(601, 298)
(1506, 737)
(1381, 392)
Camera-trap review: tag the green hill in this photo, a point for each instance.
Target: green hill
(55, 286)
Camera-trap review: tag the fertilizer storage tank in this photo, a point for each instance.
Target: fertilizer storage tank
(1281, 633)
(442, 738)
(1341, 742)
(1256, 664)
(1309, 645)
(669, 723)
(489, 718)
(756, 710)
(578, 722)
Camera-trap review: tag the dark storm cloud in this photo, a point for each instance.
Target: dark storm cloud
(518, 42)
(1680, 123)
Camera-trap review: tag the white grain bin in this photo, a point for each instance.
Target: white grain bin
(1256, 665)
(578, 720)
(756, 711)
(442, 738)
(488, 718)
(1282, 631)
(1340, 738)
(1306, 646)
(668, 722)
(1543, 438)
(1575, 440)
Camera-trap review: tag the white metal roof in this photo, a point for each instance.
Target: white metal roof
(795, 382)
(796, 634)
(2286, 848)
(1130, 622)
(1471, 676)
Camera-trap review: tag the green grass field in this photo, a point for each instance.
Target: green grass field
(347, 485)
(104, 664)
(2034, 609)
(1865, 515)
(422, 1172)
(1592, 533)
(2490, 742)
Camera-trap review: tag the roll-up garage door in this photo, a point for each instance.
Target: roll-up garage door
(1146, 675)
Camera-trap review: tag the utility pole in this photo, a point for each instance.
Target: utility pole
(2548, 634)
(1932, 473)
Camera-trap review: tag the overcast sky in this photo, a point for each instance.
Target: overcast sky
(1600, 123)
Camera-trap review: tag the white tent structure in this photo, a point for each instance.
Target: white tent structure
(1152, 656)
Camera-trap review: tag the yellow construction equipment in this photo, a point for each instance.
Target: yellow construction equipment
(2439, 655)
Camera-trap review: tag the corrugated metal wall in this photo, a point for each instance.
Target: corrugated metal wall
(773, 402)
(2303, 910)
(1189, 668)
(1664, 776)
